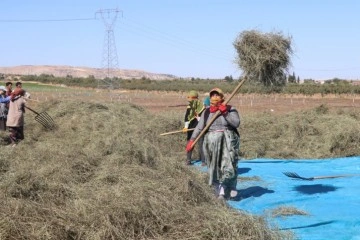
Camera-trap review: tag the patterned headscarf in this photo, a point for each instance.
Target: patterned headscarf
(192, 95)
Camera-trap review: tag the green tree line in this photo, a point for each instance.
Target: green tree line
(309, 87)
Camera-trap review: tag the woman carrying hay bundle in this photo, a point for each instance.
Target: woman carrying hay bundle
(221, 144)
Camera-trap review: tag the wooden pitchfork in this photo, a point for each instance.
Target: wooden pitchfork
(296, 176)
(179, 131)
(44, 119)
(218, 113)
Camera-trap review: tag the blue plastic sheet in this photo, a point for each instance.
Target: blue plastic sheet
(332, 205)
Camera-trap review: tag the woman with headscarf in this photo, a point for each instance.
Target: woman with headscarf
(192, 115)
(15, 119)
(206, 102)
(221, 144)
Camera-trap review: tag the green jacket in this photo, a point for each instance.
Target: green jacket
(193, 110)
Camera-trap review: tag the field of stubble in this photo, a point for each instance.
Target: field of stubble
(157, 102)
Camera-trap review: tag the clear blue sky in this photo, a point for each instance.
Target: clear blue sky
(186, 38)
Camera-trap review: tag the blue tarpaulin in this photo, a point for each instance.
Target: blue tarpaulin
(332, 205)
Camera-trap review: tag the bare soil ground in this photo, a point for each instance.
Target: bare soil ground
(161, 101)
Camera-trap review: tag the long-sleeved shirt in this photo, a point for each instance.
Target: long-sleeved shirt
(15, 116)
(4, 99)
(230, 121)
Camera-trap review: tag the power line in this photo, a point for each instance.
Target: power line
(138, 28)
(45, 20)
(152, 33)
(110, 60)
(329, 69)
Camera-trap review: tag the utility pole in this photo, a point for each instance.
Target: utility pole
(109, 63)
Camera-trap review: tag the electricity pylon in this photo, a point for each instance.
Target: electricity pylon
(109, 63)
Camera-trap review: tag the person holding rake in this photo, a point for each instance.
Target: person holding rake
(194, 109)
(221, 144)
(15, 119)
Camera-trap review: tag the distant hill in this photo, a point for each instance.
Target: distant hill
(99, 73)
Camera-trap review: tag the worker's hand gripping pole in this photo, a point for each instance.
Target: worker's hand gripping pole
(218, 112)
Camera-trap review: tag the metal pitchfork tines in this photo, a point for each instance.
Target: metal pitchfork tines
(296, 176)
(44, 119)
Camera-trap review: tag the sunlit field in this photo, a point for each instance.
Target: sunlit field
(160, 101)
(105, 172)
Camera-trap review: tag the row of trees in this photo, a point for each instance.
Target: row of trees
(287, 79)
(309, 87)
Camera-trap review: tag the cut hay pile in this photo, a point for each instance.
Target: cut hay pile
(315, 133)
(105, 173)
(264, 57)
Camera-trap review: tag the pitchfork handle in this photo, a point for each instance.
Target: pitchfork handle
(218, 113)
(32, 110)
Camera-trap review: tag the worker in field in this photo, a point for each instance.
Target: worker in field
(206, 102)
(15, 118)
(192, 115)
(8, 86)
(4, 107)
(19, 85)
(221, 144)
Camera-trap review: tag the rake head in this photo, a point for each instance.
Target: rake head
(295, 175)
(45, 120)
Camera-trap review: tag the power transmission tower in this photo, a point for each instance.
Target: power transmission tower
(109, 63)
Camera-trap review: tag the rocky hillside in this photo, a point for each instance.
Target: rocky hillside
(63, 71)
